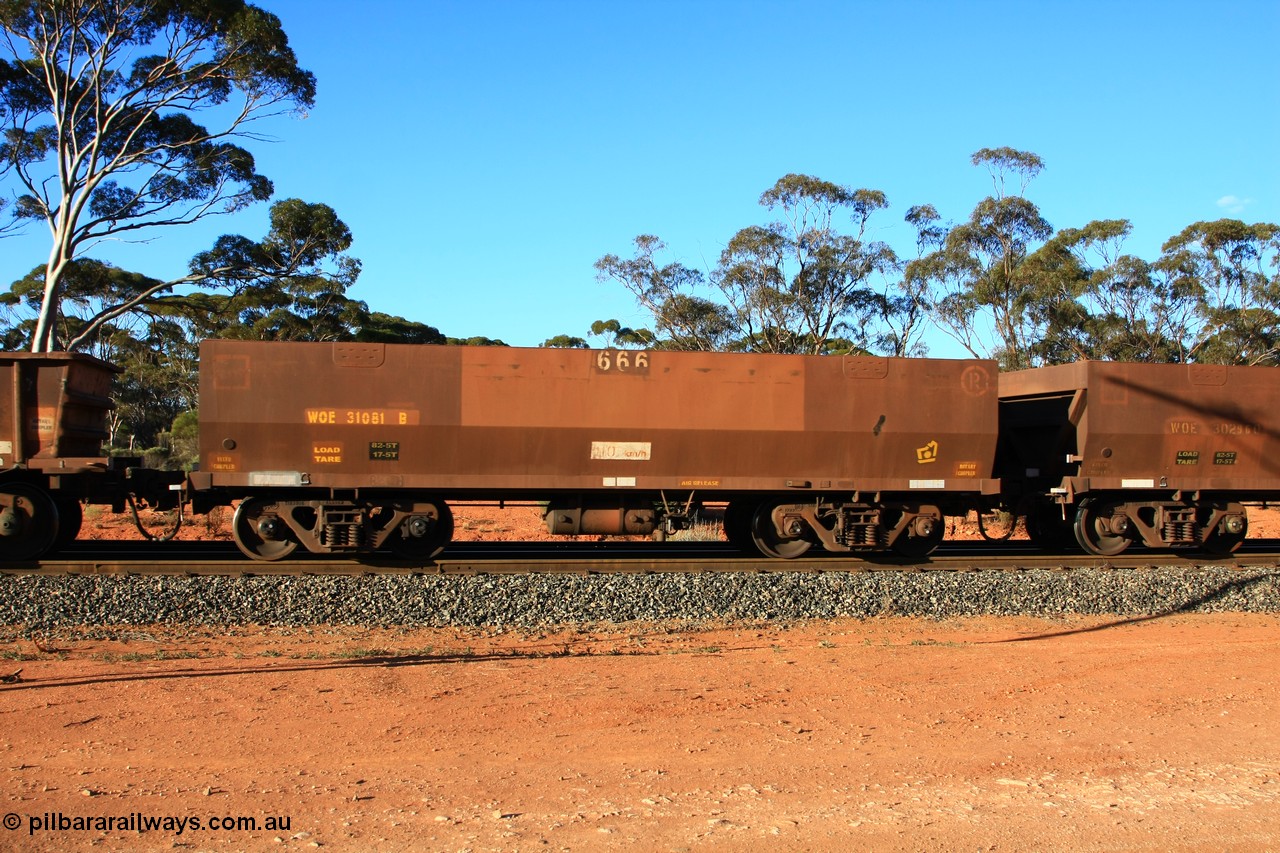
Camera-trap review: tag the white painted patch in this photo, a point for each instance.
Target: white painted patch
(620, 482)
(622, 451)
(928, 484)
(275, 478)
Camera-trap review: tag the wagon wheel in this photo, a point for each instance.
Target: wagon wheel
(70, 519)
(737, 524)
(771, 543)
(28, 522)
(423, 534)
(921, 537)
(260, 532)
(1048, 529)
(1093, 530)
(1220, 541)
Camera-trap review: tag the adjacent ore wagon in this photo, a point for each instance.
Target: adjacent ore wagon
(351, 447)
(54, 412)
(1117, 453)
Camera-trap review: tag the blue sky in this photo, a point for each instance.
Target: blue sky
(485, 154)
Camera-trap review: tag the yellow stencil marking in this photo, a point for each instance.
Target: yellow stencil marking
(928, 453)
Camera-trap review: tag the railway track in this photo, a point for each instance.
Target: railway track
(594, 558)
(533, 585)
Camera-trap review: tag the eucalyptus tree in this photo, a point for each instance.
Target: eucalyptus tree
(613, 334)
(98, 100)
(475, 341)
(1122, 309)
(565, 342)
(1232, 272)
(156, 339)
(801, 282)
(907, 302)
(87, 286)
(682, 319)
(987, 298)
(378, 327)
(617, 335)
(160, 380)
(291, 284)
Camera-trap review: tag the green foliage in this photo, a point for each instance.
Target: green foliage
(100, 139)
(1232, 272)
(1004, 163)
(291, 285)
(682, 320)
(182, 442)
(177, 448)
(982, 274)
(1119, 311)
(790, 286)
(622, 337)
(159, 382)
(477, 341)
(91, 290)
(611, 333)
(905, 310)
(186, 426)
(387, 329)
(799, 281)
(565, 342)
(1003, 283)
(1006, 286)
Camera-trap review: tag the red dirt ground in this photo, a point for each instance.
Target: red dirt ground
(886, 734)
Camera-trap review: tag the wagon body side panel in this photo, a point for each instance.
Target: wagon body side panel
(502, 421)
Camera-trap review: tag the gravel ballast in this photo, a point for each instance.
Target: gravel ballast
(537, 600)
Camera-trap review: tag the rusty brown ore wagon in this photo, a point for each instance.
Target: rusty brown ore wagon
(54, 411)
(350, 447)
(356, 448)
(1163, 454)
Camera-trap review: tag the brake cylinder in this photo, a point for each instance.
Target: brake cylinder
(566, 520)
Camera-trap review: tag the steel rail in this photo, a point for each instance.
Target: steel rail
(606, 558)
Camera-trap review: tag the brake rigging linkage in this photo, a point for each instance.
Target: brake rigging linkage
(147, 534)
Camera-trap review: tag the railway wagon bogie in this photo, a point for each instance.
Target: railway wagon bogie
(612, 444)
(1107, 525)
(272, 527)
(787, 529)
